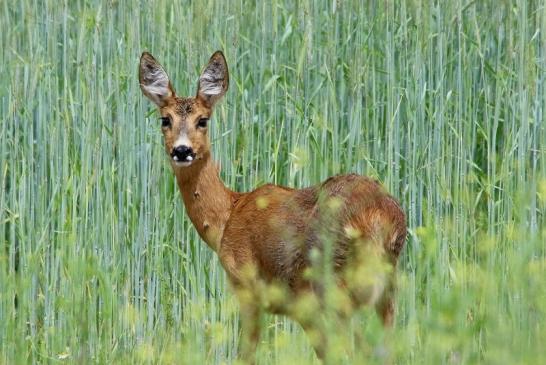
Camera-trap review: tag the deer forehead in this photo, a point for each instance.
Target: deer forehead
(179, 108)
(183, 109)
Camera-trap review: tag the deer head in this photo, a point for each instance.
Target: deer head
(184, 121)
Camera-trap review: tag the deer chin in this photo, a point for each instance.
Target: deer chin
(182, 164)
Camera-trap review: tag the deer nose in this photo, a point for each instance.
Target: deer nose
(183, 154)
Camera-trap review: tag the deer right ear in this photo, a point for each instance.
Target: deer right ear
(214, 81)
(154, 81)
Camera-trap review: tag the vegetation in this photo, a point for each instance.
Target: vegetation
(443, 101)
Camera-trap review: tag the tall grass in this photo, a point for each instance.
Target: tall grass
(443, 101)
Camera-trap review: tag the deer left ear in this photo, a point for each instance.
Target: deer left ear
(154, 81)
(214, 81)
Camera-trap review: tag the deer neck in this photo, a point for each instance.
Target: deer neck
(208, 202)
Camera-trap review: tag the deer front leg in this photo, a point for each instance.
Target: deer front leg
(251, 324)
(250, 314)
(317, 337)
(244, 281)
(307, 309)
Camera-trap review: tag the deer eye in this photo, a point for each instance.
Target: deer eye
(165, 122)
(202, 123)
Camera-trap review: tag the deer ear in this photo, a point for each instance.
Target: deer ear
(154, 81)
(214, 81)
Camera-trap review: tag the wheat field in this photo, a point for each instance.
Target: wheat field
(442, 101)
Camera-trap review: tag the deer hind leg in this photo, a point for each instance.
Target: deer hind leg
(385, 308)
(375, 281)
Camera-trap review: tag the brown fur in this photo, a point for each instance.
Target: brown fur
(266, 236)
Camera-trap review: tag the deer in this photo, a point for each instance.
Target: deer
(276, 243)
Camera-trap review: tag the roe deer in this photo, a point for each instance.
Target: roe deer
(277, 239)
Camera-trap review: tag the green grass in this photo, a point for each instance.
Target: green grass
(443, 101)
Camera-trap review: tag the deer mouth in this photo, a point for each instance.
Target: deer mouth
(187, 162)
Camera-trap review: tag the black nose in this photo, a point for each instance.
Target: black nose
(183, 154)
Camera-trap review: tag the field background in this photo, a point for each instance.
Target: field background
(443, 101)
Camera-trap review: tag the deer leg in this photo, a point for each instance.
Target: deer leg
(243, 280)
(250, 314)
(385, 309)
(385, 306)
(250, 335)
(343, 326)
(317, 337)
